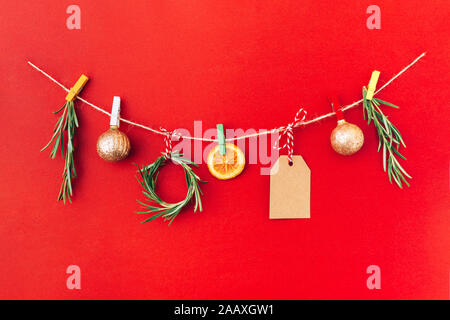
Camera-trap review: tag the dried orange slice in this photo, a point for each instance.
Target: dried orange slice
(226, 166)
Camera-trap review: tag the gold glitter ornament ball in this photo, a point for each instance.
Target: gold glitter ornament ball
(113, 145)
(346, 138)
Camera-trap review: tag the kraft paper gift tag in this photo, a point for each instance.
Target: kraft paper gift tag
(290, 189)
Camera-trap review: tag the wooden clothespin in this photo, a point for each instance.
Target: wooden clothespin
(78, 86)
(336, 106)
(221, 139)
(115, 113)
(372, 84)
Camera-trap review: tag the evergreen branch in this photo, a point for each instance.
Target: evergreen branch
(67, 122)
(169, 211)
(389, 138)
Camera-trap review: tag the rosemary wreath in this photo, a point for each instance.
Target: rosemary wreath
(168, 211)
(389, 138)
(67, 122)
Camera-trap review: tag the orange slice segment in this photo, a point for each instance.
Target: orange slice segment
(226, 166)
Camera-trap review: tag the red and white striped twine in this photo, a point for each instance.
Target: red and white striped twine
(288, 131)
(168, 141)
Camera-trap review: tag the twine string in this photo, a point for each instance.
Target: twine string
(260, 133)
(288, 132)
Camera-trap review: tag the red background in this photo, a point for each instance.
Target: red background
(247, 64)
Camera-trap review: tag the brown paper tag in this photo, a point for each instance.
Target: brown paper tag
(290, 189)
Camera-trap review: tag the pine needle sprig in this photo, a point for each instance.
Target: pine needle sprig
(169, 211)
(67, 122)
(389, 138)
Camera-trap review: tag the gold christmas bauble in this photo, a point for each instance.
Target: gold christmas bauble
(346, 138)
(113, 145)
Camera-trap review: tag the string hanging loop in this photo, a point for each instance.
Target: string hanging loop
(287, 131)
(168, 142)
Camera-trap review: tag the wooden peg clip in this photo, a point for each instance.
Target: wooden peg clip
(221, 139)
(78, 86)
(336, 106)
(372, 84)
(115, 113)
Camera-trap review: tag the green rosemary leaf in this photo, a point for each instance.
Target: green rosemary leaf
(153, 217)
(390, 171)
(385, 103)
(74, 172)
(375, 102)
(400, 168)
(397, 180)
(55, 112)
(398, 153)
(364, 109)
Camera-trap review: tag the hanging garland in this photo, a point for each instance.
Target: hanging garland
(226, 160)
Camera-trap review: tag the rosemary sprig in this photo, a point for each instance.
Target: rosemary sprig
(67, 122)
(168, 211)
(389, 138)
